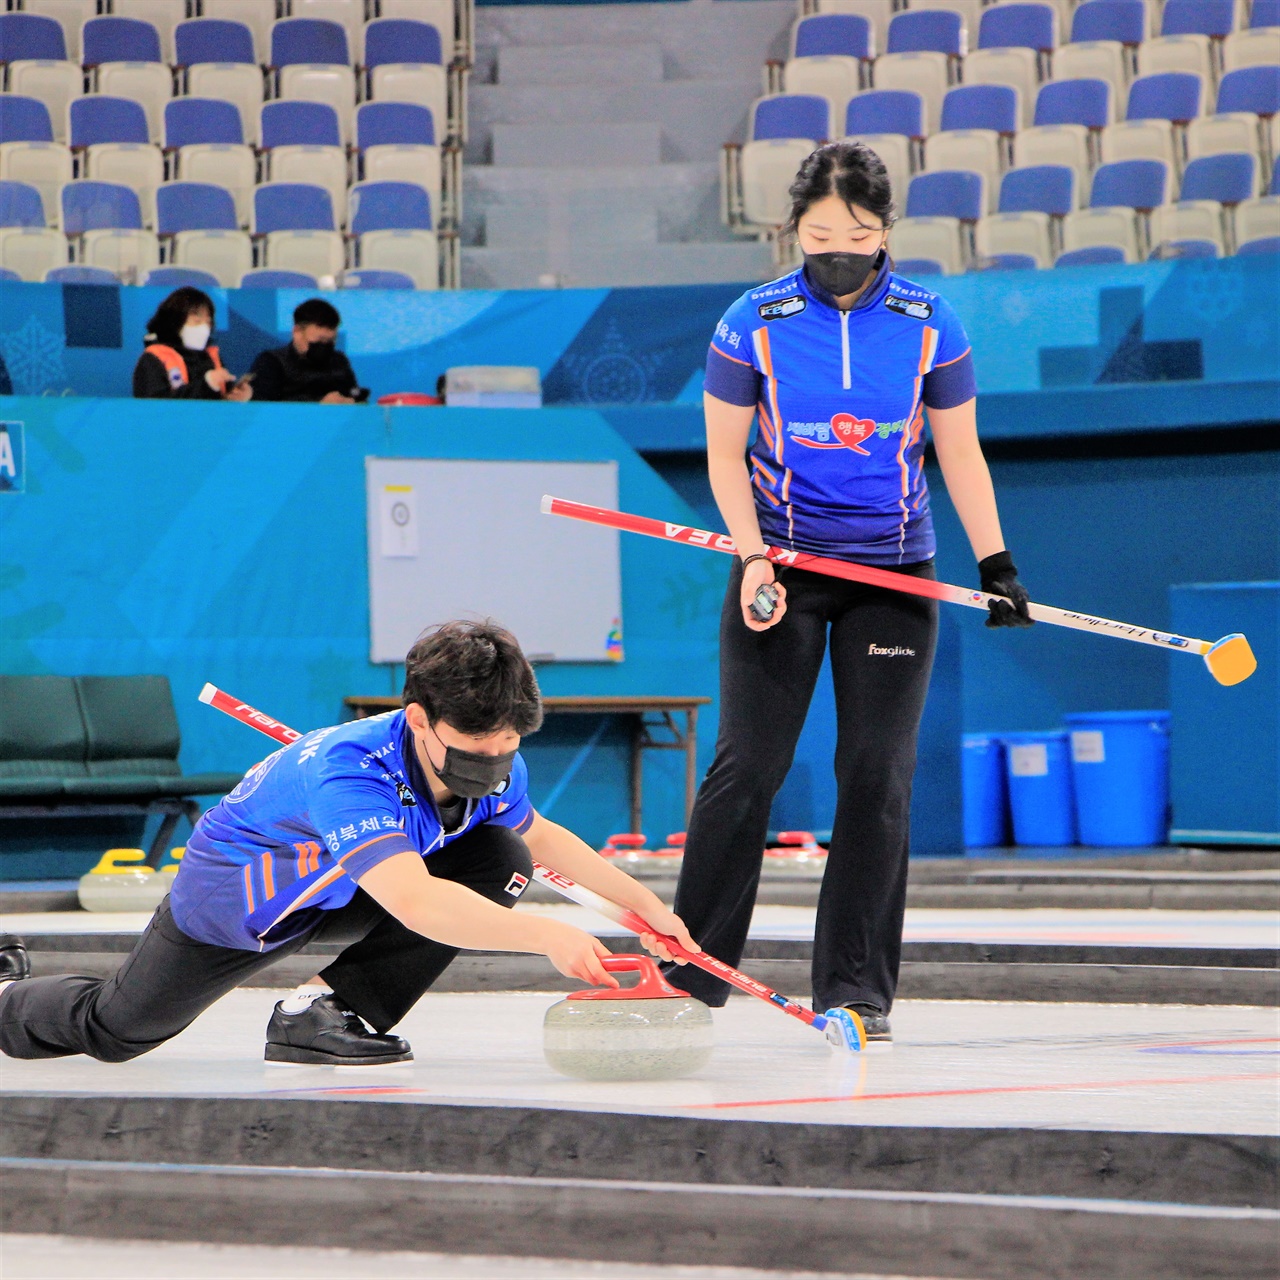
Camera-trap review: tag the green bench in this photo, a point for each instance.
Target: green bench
(97, 746)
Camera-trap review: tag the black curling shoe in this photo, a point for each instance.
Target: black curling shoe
(874, 1023)
(15, 964)
(328, 1035)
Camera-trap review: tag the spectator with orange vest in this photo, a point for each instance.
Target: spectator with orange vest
(178, 362)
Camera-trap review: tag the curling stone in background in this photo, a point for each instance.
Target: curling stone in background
(121, 882)
(799, 848)
(669, 857)
(650, 1031)
(626, 848)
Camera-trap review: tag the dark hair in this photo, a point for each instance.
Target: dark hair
(474, 676)
(171, 315)
(850, 170)
(317, 311)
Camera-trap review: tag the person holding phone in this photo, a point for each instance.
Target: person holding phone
(838, 362)
(309, 368)
(179, 362)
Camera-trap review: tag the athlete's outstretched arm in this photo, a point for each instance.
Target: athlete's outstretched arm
(955, 437)
(458, 917)
(728, 427)
(558, 848)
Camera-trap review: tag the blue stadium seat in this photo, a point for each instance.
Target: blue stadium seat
(264, 278)
(1185, 249)
(394, 123)
(1130, 184)
(1265, 244)
(292, 206)
(1017, 26)
(299, 123)
(309, 40)
(376, 280)
(1122, 20)
(1011, 262)
(1097, 255)
(833, 35)
(388, 41)
(188, 121)
(180, 278)
(981, 106)
(917, 267)
(24, 119)
(1039, 188)
(947, 193)
(194, 206)
(1255, 89)
(1198, 18)
(30, 37)
(1273, 188)
(886, 111)
(927, 31)
(1265, 13)
(1086, 102)
(20, 205)
(97, 206)
(212, 40)
(1169, 95)
(81, 275)
(98, 118)
(791, 115)
(1228, 179)
(119, 40)
(389, 206)
(9, 277)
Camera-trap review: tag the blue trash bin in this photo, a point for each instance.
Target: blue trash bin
(1040, 793)
(986, 793)
(1120, 764)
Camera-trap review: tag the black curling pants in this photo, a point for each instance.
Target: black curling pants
(170, 979)
(882, 645)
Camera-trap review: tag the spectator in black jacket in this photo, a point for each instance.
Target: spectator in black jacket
(310, 368)
(179, 363)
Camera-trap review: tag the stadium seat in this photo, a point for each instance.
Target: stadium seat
(1095, 60)
(1132, 184)
(1049, 189)
(312, 62)
(389, 42)
(1258, 47)
(1030, 201)
(981, 106)
(1024, 34)
(1222, 134)
(925, 48)
(1026, 235)
(396, 142)
(20, 205)
(1176, 96)
(830, 56)
(318, 253)
(93, 206)
(115, 136)
(877, 12)
(194, 206)
(1056, 144)
(181, 277)
(24, 119)
(1176, 53)
(1228, 179)
(34, 52)
(1190, 228)
(111, 39)
(1140, 140)
(265, 278)
(9, 277)
(936, 202)
(188, 121)
(977, 123)
(376, 280)
(1098, 255)
(1089, 102)
(892, 123)
(415, 253)
(348, 14)
(933, 239)
(70, 15)
(129, 255)
(236, 82)
(27, 37)
(389, 206)
(1254, 89)
(1212, 187)
(303, 144)
(46, 166)
(31, 252)
(1214, 18)
(1121, 21)
(1012, 67)
(1265, 244)
(1264, 13)
(225, 255)
(768, 169)
(255, 15)
(78, 273)
(99, 118)
(913, 267)
(164, 15)
(791, 115)
(213, 40)
(125, 58)
(298, 222)
(927, 31)
(1257, 219)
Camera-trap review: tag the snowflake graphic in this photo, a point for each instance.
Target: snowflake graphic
(614, 373)
(1016, 308)
(33, 356)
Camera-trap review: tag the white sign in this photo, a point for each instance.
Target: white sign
(1029, 760)
(1086, 746)
(398, 522)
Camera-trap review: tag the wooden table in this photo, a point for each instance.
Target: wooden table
(636, 709)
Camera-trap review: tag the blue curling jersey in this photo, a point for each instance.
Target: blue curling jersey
(837, 467)
(304, 825)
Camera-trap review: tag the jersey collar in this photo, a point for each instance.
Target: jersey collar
(873, 293)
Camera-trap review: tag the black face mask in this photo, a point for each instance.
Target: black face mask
(319, 353)
(841, 273)
(472, 774)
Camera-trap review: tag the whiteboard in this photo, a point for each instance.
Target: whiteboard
(454, 538)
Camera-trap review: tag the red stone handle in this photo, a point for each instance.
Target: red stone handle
(652, 985)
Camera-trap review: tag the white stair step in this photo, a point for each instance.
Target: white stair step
(576, 145)
(574, 64)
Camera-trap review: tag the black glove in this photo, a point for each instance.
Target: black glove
(1000, 578)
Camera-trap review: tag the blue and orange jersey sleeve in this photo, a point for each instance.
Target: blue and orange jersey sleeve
(732, 374)
(357, 814)
(512, 808)
(951, 379)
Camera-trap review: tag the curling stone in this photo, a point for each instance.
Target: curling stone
(626, 848)
(651, 1031)
(120, 882)
(799, 847)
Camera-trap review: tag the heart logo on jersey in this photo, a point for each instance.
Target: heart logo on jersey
(852, 431)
